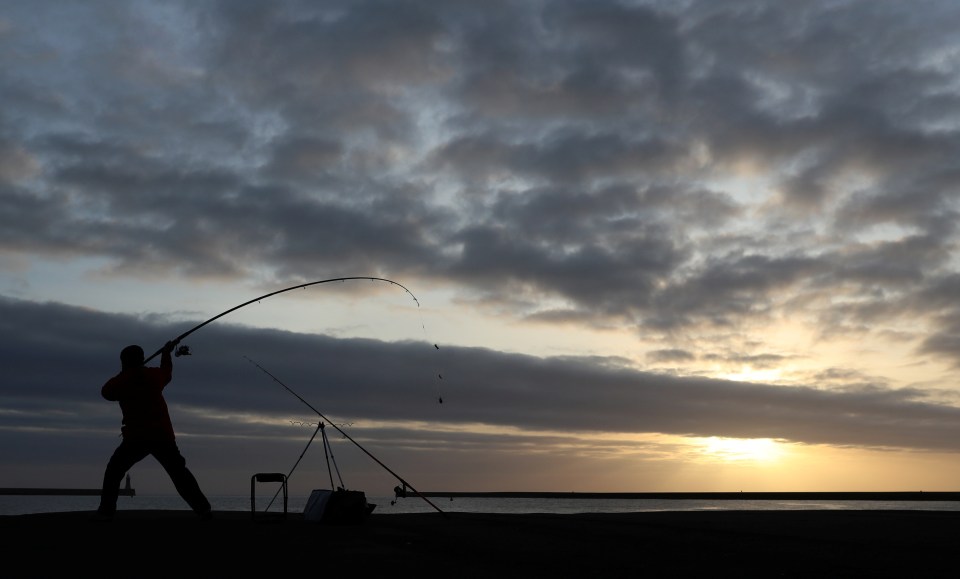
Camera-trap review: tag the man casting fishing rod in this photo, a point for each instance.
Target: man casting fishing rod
(146, 430)
(146, 421)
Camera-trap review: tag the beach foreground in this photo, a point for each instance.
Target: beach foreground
(812, 543)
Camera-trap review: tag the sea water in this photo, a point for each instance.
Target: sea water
(27, 504)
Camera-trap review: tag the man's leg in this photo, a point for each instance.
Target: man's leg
(124, 457)
(168, 454)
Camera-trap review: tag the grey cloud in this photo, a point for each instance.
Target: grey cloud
(579, 60)
(609, 279)
(305, 157)
(563, 157)
(332, 42)
(598, 154)
(671, 355)
(728, 287)
(357, 380)
(616, 35)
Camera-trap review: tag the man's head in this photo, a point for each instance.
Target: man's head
(131, 357)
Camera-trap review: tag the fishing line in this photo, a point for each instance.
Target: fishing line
(185, 350)
(347, 436)
(437, 369)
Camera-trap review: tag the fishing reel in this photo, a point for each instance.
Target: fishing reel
(399, 493)
(183, 350)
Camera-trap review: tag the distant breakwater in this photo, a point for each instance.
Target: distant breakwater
(60, 492)
(127, 490)
(699, 496)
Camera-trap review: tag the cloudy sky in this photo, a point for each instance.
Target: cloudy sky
(661, 246)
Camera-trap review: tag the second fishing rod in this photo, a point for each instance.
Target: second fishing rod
(347, 436)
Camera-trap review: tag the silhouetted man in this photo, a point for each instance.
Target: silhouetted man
(146, 430)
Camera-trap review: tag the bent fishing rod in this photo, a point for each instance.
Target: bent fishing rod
(318, 413)
(185, 351)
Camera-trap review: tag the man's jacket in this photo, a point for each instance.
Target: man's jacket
(140, 394)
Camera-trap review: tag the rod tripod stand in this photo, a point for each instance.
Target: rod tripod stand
(328, 454)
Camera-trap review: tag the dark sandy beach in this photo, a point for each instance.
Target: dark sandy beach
(656, 544)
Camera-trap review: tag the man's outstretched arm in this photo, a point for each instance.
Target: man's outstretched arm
(166, 361)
